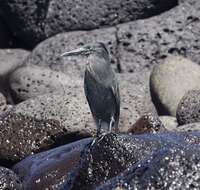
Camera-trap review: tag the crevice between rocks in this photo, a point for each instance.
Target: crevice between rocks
(119, 68)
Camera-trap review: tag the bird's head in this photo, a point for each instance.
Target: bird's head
(86, 50)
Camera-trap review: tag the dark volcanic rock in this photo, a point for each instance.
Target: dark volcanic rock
(5, 38)
(166, 169)
(31, 81)
(21, 136)
(171, 80)
(33, 21)
(147, 42)
(9, 180)
(188, 110)
(111, 154)
(49, 169)
(148, 123)
(47, 53)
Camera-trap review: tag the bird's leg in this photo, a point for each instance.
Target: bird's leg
(99, 128)
(112, 121)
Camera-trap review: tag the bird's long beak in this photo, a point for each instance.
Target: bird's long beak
(79, 51)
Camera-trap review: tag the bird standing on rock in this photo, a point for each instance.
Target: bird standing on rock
(100, 85)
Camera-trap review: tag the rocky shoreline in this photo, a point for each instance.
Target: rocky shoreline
(47, 133)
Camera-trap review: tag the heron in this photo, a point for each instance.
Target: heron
(100, 86)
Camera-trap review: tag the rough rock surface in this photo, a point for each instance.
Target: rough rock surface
(9, 180)
(49, 169)
(145, 43)
(171, 80)
(64, 107)
(34, 21)
(165, 169)
(47, 53)
(191, 127)
(10, 59)
(31, 81)
(148, 123)
(188, 110)
(111, 154)
(169, 122)
(21, 136)
(69, 108)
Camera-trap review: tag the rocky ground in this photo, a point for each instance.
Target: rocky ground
(47, 133)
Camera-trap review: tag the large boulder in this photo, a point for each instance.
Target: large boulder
(110, 154)
(171, 80)
(21, 136)
(31, 81)
(66, 105)
(33, 21)
(47, 53)
(145, 43)
(49, 169)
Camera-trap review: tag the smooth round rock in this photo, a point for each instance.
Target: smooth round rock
(49, 169)
(21, 136)
(188, 110)
(9, 180)
(171, 80)
(31, 81)
(169, 122)
(33, 21)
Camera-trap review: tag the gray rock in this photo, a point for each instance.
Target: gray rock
(145, 43)
(9, 180)
(34, 21)
(47, 53)
(66, 106)
(70, 108)
(135, 98)
(191, 127)
(10, 59)
(169, 122)
(3, 104)
(21, 136)
(165, 169)
(31, 81)
(111, 154)
(171, 80)
(49, 169)
(188, 110)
